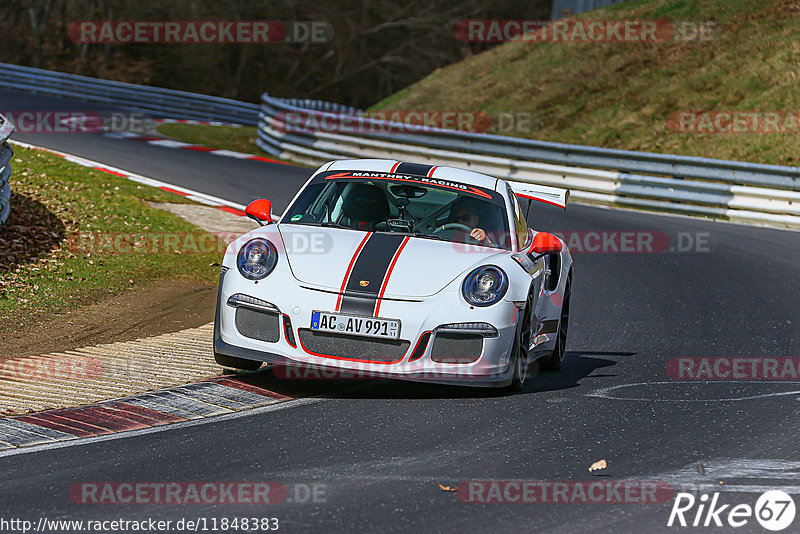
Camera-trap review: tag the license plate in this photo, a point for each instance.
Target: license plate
(355, 325)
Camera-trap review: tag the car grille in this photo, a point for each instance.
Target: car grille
(456, 348)
(257, 324)
(353, 347)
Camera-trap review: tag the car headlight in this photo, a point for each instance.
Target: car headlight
(485, 286)
(256, 259)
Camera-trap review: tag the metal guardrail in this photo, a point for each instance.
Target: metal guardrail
(318, 105)
(165, 103)
(6, 129)
(738, 191)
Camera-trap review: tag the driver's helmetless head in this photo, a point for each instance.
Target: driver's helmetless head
(466, 211)
(465, 217)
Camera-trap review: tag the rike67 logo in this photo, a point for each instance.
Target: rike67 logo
(774, 510)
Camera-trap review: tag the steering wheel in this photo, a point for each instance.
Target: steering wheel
(453, 226)
(457, 227)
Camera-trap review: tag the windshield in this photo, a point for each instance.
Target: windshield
(383, 202)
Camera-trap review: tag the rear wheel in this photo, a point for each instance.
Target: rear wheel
(233, 362)
(553, 362)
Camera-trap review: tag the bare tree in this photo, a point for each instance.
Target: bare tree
(378, 47)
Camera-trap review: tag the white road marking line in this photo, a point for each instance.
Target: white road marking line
(169, 143)
(201, 200)
(766, 473)
(231, 154)
(609, 392)
(121, 135)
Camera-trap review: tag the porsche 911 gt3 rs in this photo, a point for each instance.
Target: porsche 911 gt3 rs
(400, 270)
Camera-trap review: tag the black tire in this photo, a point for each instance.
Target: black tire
(556, 358)
(232, 362)
(520, 352)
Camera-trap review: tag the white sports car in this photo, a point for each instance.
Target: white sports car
(398, 270)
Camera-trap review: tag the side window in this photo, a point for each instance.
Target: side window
(328, 203)
(520, 226)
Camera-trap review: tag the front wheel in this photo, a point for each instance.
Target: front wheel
(554, 361)
(519, 352)
(232, 362)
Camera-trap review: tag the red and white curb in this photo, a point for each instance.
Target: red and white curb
(171, 143)
(202, 198)
(218, 396)
(204, 123)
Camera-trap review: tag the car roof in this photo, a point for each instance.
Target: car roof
(442, 172)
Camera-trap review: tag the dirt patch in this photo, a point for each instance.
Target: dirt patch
(168, 306)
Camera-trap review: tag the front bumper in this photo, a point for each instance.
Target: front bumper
(491, 369)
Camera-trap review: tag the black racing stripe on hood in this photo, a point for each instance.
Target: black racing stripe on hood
(370, 267)
(358, 305)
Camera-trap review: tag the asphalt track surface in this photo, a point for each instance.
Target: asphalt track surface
(382, 448)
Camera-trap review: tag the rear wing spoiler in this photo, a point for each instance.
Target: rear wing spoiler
(541, 193)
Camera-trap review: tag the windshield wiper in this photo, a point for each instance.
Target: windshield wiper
(427, 236)
(322, 224)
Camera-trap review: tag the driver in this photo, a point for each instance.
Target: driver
(467, 212)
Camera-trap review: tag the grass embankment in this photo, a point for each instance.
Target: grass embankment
(76, 235)
(621, 94)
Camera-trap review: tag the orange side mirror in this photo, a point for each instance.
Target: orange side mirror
(544, 243)
(260, 211)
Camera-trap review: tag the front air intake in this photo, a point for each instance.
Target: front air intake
(360, 348)
(456, 348)
(258, 324)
